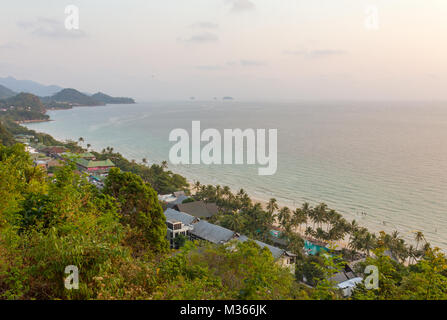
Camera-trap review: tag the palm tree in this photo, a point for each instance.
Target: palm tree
(197, 186)
(144, 160)
(299, 217)
(88, 146)
(235, 222)
(284, 217)
(81, 140)
(368, 242)
(320, 214)
(164, 164)
(272, 206)
(353, 228)
(419, 237)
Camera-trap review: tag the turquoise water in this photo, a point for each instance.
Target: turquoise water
(313, 249)
(383, 164)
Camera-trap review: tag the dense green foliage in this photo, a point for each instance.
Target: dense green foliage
(6, 138)
(116, 237)
(162, 180)
(24, 101)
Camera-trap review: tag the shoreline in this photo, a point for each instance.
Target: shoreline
(32, 121)
(263, 197)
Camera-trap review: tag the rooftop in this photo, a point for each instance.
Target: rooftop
(93, 164)
(199, 209)
(185, 218)
(276, 252)
(212, 233)
(78, 155)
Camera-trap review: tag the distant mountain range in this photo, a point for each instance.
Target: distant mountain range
(29, 86)
(55, 97)
(6, 92)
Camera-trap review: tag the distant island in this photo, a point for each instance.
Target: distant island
(72, 97)
(227, 98)
(102, 97)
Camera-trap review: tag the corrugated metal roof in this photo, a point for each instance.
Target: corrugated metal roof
(93, 164)
(212, 233)
(276, 252)
(199, 209)
(185, 218)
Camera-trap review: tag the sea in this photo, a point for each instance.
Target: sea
(383, 164)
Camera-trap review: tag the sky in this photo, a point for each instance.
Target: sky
(247, 49)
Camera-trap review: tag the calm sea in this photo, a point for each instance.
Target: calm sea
(383, 164)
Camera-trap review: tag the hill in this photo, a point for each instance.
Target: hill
(102, 97)
(6, 93)
(24, 101)
(74, 98)
(23, 107)
(29, 86)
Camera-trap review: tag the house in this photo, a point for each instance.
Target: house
(54, 163)
(203, 230)
(181, 223)
(282, 257)
(40, 157)
(173, 199)
(179, 193)
(72, 156)
(346, 280)
(92, 166)
(198, 209)
(54, 151)
(348, 286)
(178, 223)
(180, 216)
(30, 149)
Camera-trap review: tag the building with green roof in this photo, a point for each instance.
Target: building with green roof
(72, 156)
(92, 166)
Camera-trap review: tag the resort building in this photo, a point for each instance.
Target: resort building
(54, 151)
(198, 209)
(178, 223)
(173, 199)
(97, 167)
(73, 156)
(203, 230)
(284, 258)
(181, 223)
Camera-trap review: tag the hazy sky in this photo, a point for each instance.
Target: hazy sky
(248, 49)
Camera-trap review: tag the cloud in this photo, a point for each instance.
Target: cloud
(206, 37)
(241, 5)
(11, 45)
(51, 28)
(231, 64)
(316, 53)
(247, 63)
(209, 68)
(205, 25)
